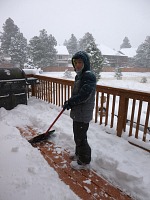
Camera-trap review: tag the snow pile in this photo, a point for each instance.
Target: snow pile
(24, 173)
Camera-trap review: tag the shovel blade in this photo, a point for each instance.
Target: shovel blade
(41, 137)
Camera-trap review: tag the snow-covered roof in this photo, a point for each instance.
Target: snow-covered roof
(130, 52)
(62, 50)
(108, 51)
(8, 58)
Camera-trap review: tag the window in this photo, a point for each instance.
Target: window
(59, 57)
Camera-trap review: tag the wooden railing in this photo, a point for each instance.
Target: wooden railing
(126, 111)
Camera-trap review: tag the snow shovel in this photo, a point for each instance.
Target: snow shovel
(47, 134)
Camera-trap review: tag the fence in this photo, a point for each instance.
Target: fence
(126, 111)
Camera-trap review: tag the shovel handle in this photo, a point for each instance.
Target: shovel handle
(54, 121)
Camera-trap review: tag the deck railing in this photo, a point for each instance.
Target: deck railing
(125, 111)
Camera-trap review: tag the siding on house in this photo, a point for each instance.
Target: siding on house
(62, 56)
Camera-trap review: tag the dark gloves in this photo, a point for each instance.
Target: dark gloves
(66, 105)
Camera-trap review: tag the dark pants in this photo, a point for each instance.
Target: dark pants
(83, 150)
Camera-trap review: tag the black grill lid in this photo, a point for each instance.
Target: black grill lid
(11, 73)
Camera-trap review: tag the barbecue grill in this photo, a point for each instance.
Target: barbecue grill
(12, 87)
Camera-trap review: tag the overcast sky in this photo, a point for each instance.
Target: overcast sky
(109, 21)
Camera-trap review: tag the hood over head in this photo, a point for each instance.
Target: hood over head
(84, 56)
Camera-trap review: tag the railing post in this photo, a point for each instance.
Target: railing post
(33, 88)
(121, 116)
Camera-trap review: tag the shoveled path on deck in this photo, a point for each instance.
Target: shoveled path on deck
(86, 184)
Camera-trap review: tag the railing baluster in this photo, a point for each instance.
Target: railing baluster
(138, 119)
(132, 117)
(107, 109)
(96, 106)
(113, 110)
(59, 94)
(56, 93)
(62, 93)
(125, 113)
(146, 122)
(101, 111)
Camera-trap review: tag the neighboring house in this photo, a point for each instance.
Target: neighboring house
(114, 58)
(62, 56)
(130, 52)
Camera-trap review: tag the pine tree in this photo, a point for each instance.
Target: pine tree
(96, 59)
(18, 49)
(139, 59)
(65, 43)
(9, 31)
(85, 41)
(13, 43)
(34, 49)
(72, 45)
(125, 44)
(42, 49)
(142, 58)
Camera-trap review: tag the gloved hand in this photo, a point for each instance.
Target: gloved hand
(66, 105)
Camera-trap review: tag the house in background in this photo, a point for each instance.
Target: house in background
(114, 58)
(62, 56)
(130, 52)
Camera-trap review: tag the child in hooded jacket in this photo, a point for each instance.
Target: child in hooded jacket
(81, 103)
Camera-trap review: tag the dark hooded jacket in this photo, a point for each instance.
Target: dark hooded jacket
(83, 95)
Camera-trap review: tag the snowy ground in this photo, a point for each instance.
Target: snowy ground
(24, 174)
(130, 80)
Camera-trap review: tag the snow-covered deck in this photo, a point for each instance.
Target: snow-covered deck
(86, 184)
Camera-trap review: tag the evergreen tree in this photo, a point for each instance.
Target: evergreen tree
(65, 43)
(42, 49)
(85, 41)
(139, 59)
(125, 44)
(96, 59)
(35, 50)
(18, 49)
(9, 31)
(13, 43)
(72, 45)
(142, 58)
(147, 51)
(118, 73)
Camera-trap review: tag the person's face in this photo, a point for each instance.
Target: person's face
(78, 64)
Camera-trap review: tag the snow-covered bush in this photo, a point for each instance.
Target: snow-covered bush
(67, 74)
(143, 80)
(118, 73)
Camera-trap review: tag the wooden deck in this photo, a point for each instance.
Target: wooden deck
(86, 184)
